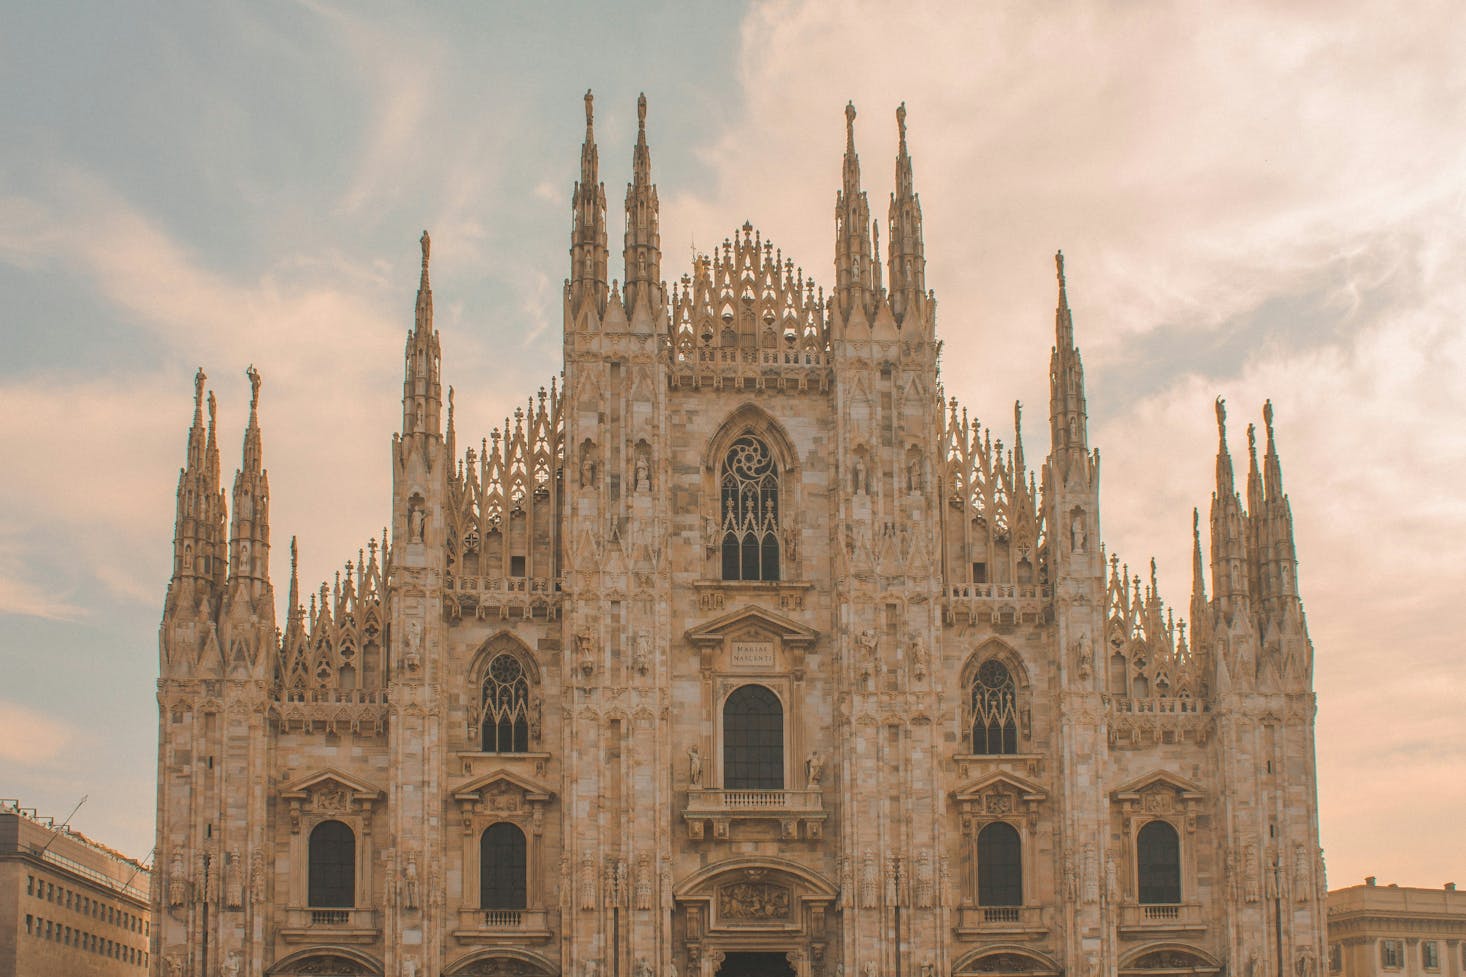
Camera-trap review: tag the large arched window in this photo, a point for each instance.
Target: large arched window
(332, 866)
(501, 867)
(505, 722)
(1158, 863)
(999, 866)
(753, 740)
(749, 484)
(994, 709)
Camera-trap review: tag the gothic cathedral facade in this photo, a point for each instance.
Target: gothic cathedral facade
(739, 651)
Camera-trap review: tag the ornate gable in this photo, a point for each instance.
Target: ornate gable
(1161, 793)
(715, 632)
(329, 792)
(502, 794)
(999, 794)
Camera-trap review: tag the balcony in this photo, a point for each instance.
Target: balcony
(1161, 919)
(799, 811)
(306, 925)
(1010, 922)
(506, 926)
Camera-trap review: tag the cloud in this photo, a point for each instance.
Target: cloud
(30, 738)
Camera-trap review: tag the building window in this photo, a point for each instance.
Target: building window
(999, 866)
(750, 502)
(1430, 955)
(1336, 958)
(994, 709)
(332, 866)
(505, 722)
(1158, 860)
(753, 740)
(1392, 954)
(501, 867)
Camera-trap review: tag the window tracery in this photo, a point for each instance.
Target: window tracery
(749, 494)
(994, 709)
(505, 706)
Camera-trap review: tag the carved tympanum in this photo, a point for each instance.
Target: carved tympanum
(753, 901)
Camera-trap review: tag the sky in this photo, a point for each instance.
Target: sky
(1255, 200)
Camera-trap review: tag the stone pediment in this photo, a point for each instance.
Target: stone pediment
(1157, 781)
(790, 633)
(331, 780)
(499, 781)
(1000, 794)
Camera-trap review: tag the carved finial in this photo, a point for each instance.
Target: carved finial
(1222, 420)
(427, 246)
(901, 124)
(850, 126)
(198, 390)
(213, 406)
(254, 387)
(641, 112)
(590, 110)
(1059, 264)
(1267, 418)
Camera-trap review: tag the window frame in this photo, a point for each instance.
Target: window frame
(998, 827)
(484, 881)
(353, 881)
(725, 746)
(1180, 868)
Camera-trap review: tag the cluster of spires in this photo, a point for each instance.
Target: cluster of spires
(1253, 558)
(860, 298)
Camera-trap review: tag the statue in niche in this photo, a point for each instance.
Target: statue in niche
(814, 768)
(233, 881)
(643, 969)
(257, 877)
(177, 881)
(920, 661)
(412, 660)
(641, 479)
(1083, 656)
(641, 656)
(1078, 534)
(694, 766)
(417, 520)
(587, 466)
(584, 651)
(230, 967)
(409, 884)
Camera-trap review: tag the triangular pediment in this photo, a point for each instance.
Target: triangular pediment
(361, 789)
(1157, 778)
(1000, 780)
(791, 633)
(475, 788)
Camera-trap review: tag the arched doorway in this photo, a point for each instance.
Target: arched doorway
(761, 964)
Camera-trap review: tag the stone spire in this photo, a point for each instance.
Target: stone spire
(198, 527)
(249, 535)
(422, 389)
(1199, 614)
(1229, 568)
(1277, 551)
(586, 290)
(1068, 415)
(643, 252)
(853, 256)
(907, 255)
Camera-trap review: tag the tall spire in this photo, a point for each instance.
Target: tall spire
(643, 254)
(1068, 414)
(249, 535)
(853, 256)
(422, 389)
(907, 256)
(1229, 565)
(198, 527)
(1198, 583)
(1278, 555)
(587, 286)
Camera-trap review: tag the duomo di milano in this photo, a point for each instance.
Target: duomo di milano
(739, 651)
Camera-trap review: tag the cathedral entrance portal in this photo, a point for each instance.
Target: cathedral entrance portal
(755, 965)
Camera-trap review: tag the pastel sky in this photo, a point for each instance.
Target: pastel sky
(1255, 199)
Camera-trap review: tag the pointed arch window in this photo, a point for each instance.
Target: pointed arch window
(502, 867)
(753, 740)
(994, 706)
(999, 865)
(505, 722)
(749, 489)
(1158, 863)
(332, 866)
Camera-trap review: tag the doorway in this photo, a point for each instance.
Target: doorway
(755, 965)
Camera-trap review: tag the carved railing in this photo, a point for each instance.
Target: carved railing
(495, 925)
(334, 710)
(1000, 604)
(1166, 705)
(798, 809)
(994, 921)
(352, 925)
(503, 597)
(788, 369)
(1160, 917)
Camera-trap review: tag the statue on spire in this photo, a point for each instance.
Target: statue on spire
(427, 247)
(254, 387)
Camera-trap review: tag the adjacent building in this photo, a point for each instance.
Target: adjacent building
(1397, 931)
(69, 907)
(741, 648)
